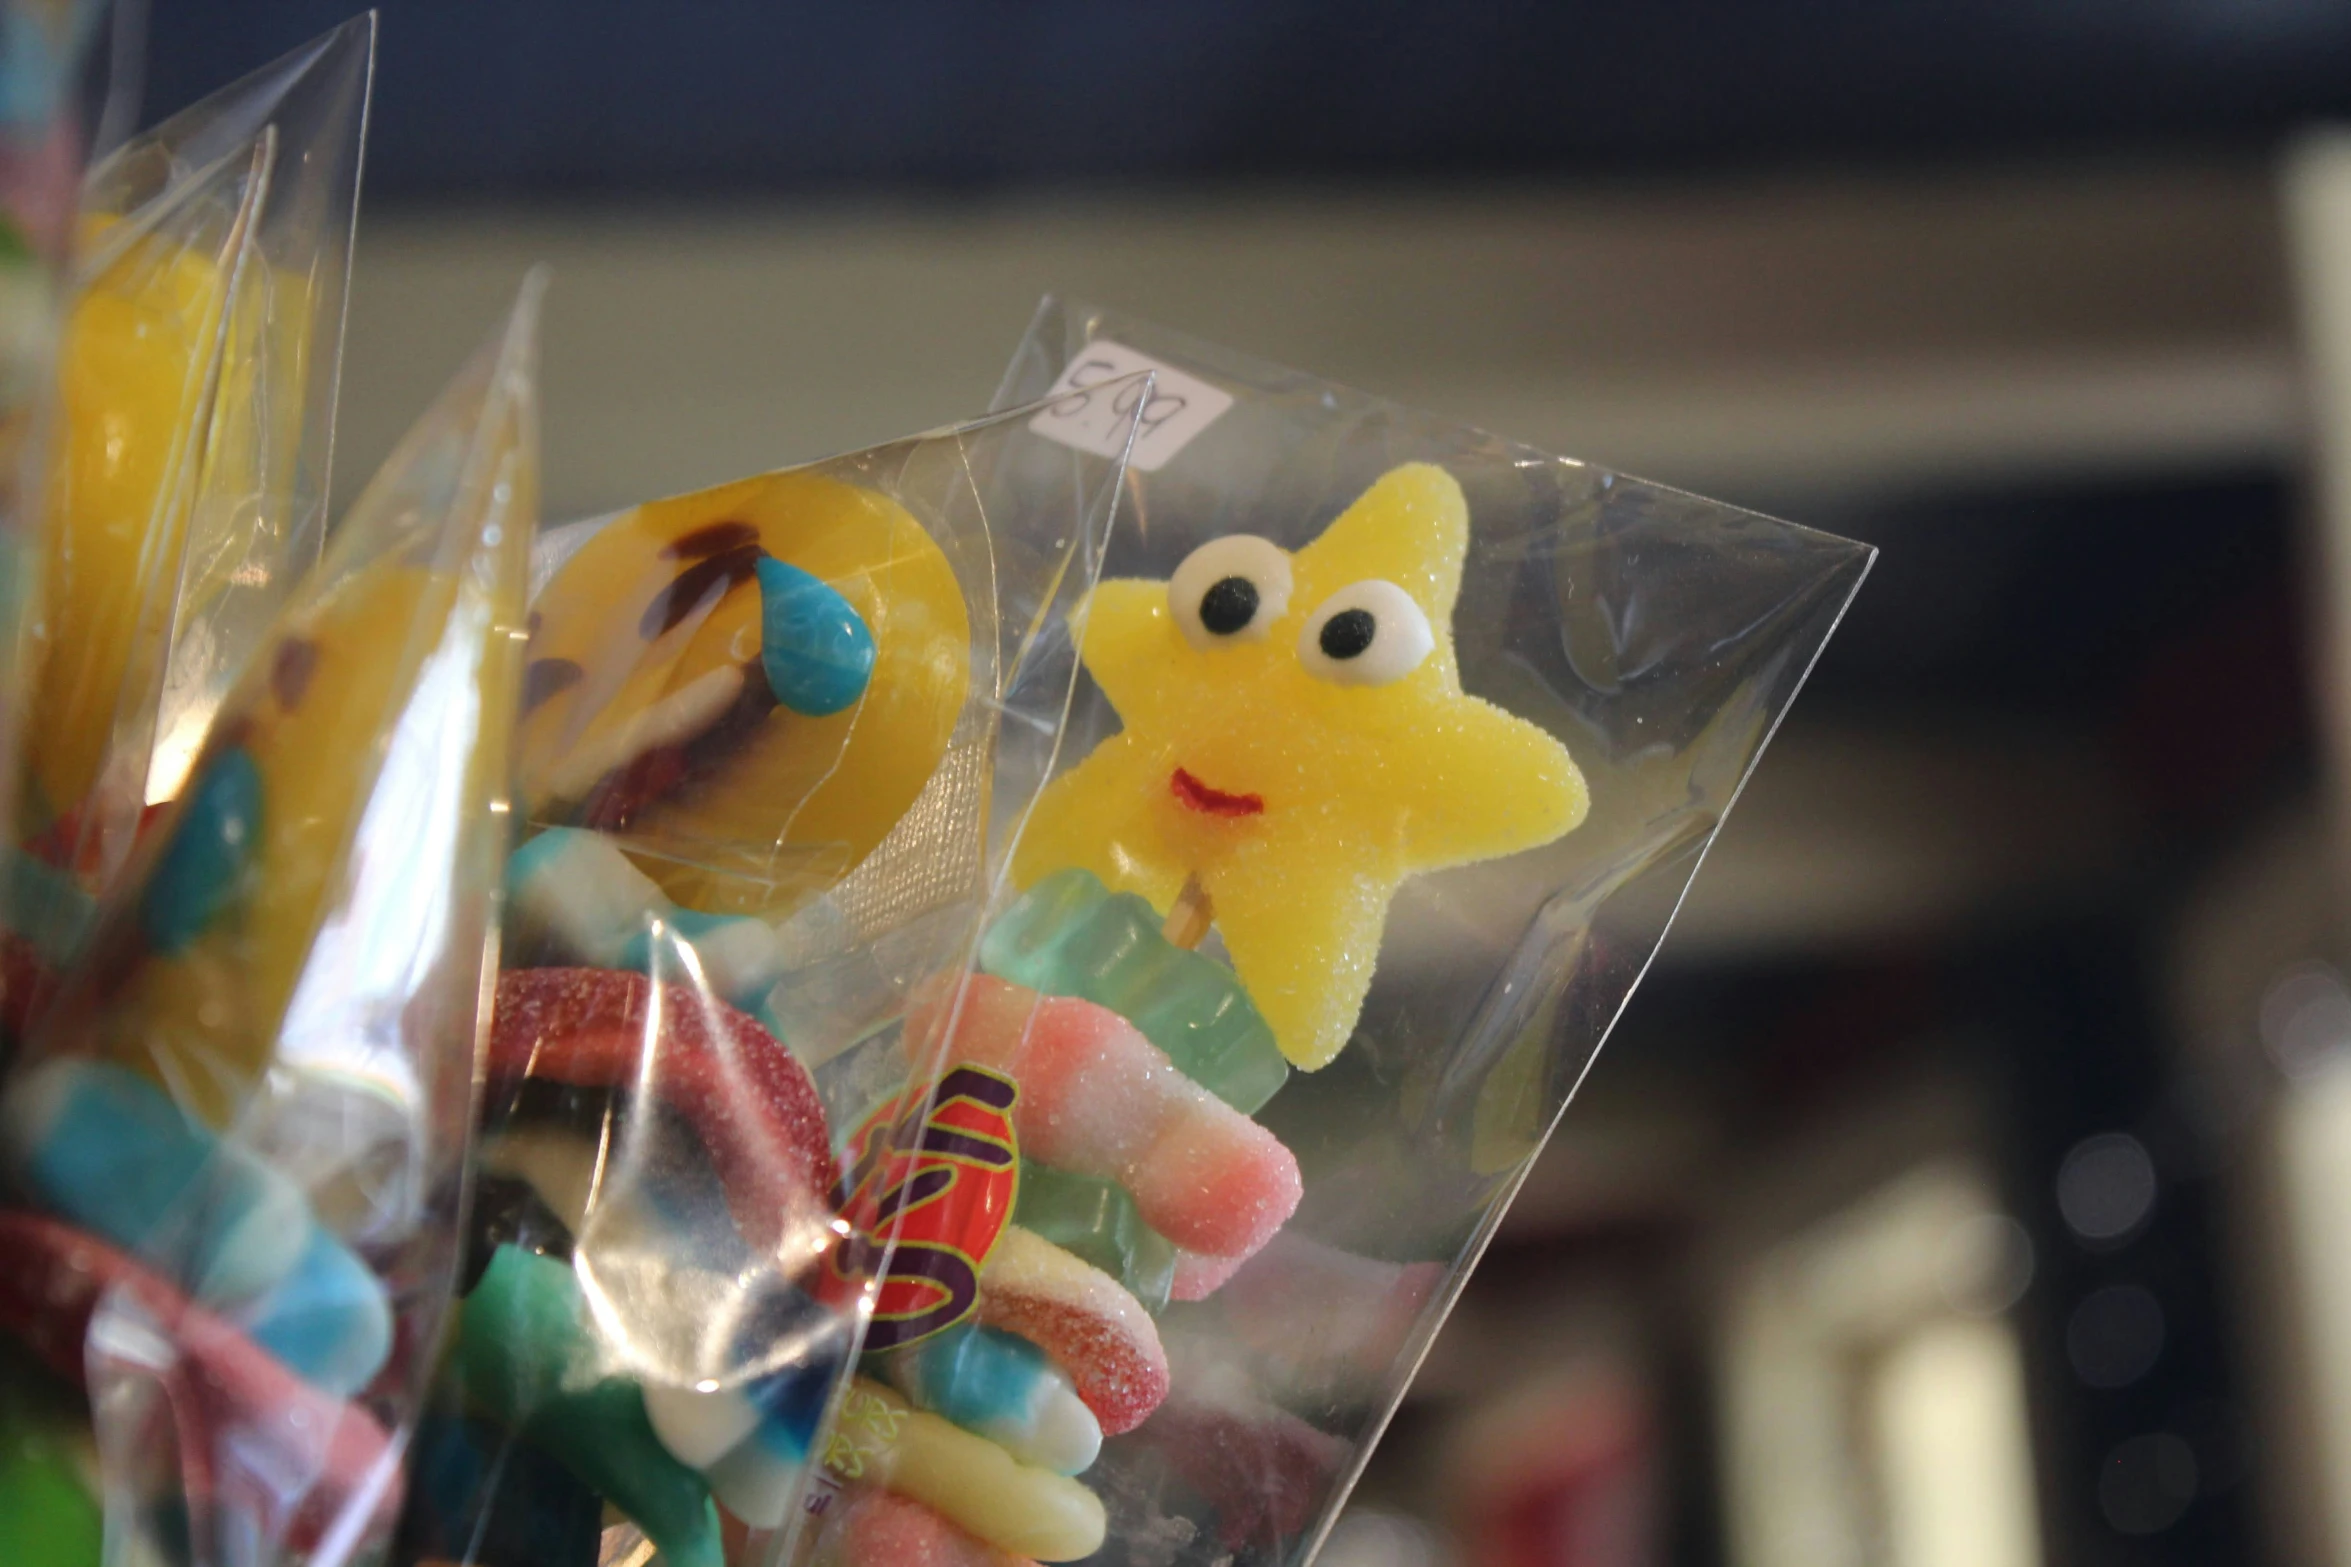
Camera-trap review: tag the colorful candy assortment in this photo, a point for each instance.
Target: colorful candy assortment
(1297, 742)
(219, 1155)
(729, 700)
(748, 686)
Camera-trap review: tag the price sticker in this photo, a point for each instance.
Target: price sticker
(1094, 402)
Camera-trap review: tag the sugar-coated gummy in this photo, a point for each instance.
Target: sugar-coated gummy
(1003, 1388)
(1095, 1332)
(1097, 1098)
(1297, 798)
(574, 897)
(1071, 936)
(1197, 1276)
(871, 1528)
(1096, 1221)
(526, 1358)
(753, 1101)
(973, 1483)
(252, 1411)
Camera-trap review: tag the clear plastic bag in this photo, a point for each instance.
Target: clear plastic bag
(1397, 748)
(235, 1147)
(41, 43)
(766, 731)
(188, 491)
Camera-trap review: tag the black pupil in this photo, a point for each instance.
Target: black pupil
(1348, 633)
(1229, 605)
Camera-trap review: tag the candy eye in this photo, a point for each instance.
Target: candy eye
(1366, 634)
(1230, 590)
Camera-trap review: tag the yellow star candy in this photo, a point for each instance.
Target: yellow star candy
(1296, 741)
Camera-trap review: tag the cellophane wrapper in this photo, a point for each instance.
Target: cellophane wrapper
(186, 487)
(1420, 767)
(235, 1148)
(41, 45)
(772, 736)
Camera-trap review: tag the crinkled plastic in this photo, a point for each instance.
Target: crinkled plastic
(1396, 748)
(770, 736)
(235, 1148)
(41, 42)
(189, 487)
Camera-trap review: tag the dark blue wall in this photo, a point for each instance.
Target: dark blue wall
(551, 96)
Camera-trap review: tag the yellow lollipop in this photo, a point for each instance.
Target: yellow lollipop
(697, 686)
(1297, 742)
(170, 459)
(131, 384)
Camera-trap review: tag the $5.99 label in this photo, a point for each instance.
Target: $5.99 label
(1096, 395)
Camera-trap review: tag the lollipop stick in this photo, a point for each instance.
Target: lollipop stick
(1189, 917)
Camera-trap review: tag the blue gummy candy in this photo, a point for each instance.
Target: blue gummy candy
(106, 1149)
(979, 1376)
(743, 990)
(791, 1400)
(815, 648)
(202, 867)
(477, 1495)
(328, 1320)
(43, 905)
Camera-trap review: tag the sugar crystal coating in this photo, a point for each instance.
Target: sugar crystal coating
(1097, 1098)
(1071, 936)
(1098, 1334)
(1296, 799)
(754, 1102)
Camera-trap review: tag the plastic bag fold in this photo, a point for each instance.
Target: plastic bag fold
(770, 732)
(200, 366)
(236, 1146)
(1397, 745)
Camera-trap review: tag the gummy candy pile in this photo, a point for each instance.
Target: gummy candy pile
(1081, 1152)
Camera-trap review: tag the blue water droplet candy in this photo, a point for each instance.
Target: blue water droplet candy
(202, 868)
(815, 649)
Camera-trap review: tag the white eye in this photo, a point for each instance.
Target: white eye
(1366, 634)
(1230, 590)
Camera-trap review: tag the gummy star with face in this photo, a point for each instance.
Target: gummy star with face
(1296, 740)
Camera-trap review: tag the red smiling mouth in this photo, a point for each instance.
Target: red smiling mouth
(1213, 802)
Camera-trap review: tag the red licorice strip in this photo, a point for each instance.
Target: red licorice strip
(750, 1098)
(246, 1424)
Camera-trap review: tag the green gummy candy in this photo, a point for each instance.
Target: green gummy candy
(1095, 1221)
(1071, 936)
(526, 1360)
(47, 1517)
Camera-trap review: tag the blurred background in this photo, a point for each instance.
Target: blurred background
(1970, 1185)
